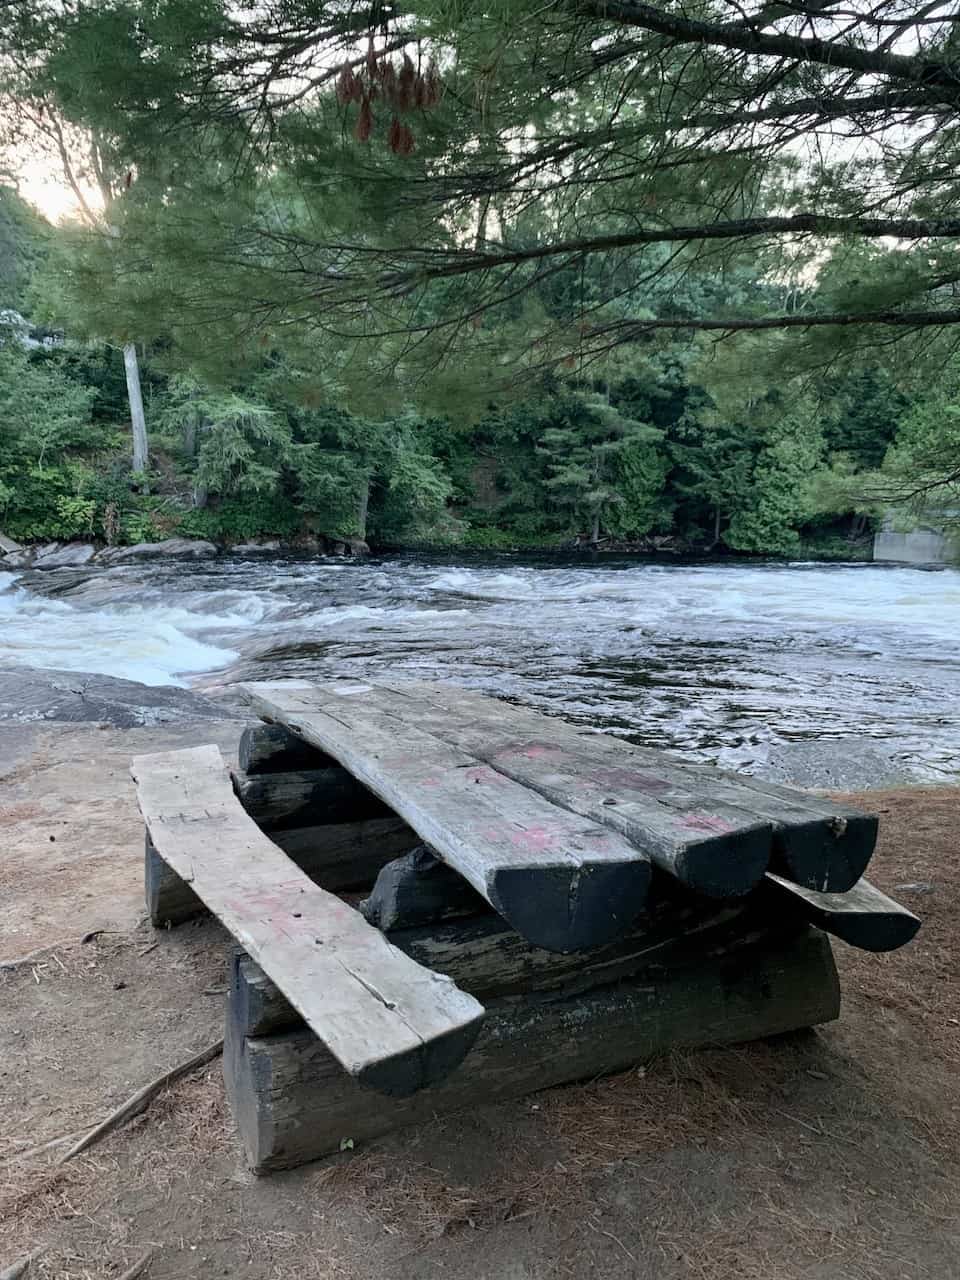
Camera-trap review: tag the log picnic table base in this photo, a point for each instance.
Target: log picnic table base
(293, 1102)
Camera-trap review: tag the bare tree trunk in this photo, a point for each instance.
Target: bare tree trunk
(595, 530)
(137, 419)
(716, 529)
(362, 511)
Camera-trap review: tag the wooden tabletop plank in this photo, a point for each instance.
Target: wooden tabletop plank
(863, 916)
(564, 882)
(711, 847)
(391, 1023)
(816, 841)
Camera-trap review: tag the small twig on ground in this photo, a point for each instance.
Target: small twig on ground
(31, 958)
(20, 1268)
(28, 1151)
(146, 950)
(140, 1100)
(138, 1267)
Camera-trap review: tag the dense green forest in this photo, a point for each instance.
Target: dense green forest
(503, 355)
(648, 455)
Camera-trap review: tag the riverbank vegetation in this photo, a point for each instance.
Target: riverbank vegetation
(470, 277)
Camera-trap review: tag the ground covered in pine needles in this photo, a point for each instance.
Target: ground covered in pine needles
(832, 1155)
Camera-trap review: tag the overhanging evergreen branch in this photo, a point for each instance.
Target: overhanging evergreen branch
(424, 264)
(630, 329)
(829, 53)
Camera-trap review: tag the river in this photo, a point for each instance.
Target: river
(717, 661)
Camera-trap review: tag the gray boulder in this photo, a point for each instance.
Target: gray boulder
(16, 560)
(257, 545)
(29, 695)
(187, 548)
(69, 556)
(7, 545)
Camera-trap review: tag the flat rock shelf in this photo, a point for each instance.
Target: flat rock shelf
(448, 900)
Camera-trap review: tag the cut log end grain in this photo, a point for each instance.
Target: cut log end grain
(566, 908)
(828, 854)
(723, 866)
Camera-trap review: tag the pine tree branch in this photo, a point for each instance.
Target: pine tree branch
(901, 319)
(818, 108)
(433, 264)
(828, 53)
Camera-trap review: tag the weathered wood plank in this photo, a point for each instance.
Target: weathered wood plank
(390, 1023)
(815, 841)
(419, 889)
(710, 847)
(335, 856)
(863, 916)
(564, 882)
(486, 957)
(269, 748)
(292, 1103)
(279, 801)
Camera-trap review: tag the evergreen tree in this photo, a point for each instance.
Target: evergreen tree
(593, 459)
(418, 180)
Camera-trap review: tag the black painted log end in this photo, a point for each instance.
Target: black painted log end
(728, 864)
(418, 889)
(876, 930)
(567, 908)
(406, 1074)
(879, 932)
(828, 854)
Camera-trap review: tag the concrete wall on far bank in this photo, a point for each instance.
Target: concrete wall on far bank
(919, 546)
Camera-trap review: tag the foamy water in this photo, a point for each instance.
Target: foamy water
(718, 661)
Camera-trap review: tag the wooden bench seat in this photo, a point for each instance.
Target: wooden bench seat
(392, 1024)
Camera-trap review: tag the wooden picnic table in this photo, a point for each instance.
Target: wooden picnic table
(517, 880)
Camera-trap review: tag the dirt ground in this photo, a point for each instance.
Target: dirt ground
(830, 1155)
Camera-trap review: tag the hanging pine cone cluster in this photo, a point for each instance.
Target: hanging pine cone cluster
(402, 88)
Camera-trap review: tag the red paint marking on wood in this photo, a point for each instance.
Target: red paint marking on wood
(536, 839)
(284, 900)
(483, 773)
(629, 779)
(703, 822)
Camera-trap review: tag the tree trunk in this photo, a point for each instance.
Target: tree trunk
(362, 510)
(190, 437)
(716, 529)
(137, 419)
(595, 527)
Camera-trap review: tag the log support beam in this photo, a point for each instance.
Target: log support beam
(293, 1103)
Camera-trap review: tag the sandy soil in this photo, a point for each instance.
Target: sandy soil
(822, 1156)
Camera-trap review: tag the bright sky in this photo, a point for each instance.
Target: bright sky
(41, 181)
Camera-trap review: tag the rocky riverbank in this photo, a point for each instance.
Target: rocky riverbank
(75, 555)
(29, 695)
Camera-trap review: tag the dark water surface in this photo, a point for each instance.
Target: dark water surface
(719, 661)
